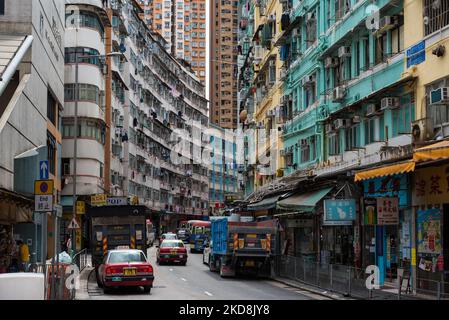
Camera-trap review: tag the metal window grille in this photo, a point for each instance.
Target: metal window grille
(437, 15)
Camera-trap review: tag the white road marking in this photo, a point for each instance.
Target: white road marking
(170, 269)
(183, 279)
(208, 293)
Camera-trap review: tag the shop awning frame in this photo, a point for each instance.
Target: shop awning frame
(303, 202)
(388, 170)
(436, 151)
(264, 204)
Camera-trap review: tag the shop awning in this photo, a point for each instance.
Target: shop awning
(397, 168)
(304, 202)
(436, 151)
(265, 204)
(15, 208)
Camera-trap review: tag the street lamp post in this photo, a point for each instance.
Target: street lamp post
(75, 137)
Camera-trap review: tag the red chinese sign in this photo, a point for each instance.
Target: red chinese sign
(387, 211)
(431, 185)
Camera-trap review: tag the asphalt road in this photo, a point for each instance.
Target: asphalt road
(195, 282)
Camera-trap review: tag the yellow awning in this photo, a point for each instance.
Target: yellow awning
(397, 168)
(439, 150)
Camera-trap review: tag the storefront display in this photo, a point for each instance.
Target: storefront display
(429, 239)
(8, 247)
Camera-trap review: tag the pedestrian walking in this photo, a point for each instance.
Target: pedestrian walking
(24, 252)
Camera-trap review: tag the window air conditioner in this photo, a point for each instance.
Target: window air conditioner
(339, 124)
(308, 80)
(371, 109)
(330, 62)
(439, 96)
(344, 52)
(389, 103)
(329, 128)
(338, 93)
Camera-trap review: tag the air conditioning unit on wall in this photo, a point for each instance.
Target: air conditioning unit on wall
(389, 103)
(344, 51)
(371, 109)
(439, 96)
(308, 80)
(422, 130)
(339, 124)
(330, 62)
(338, 94)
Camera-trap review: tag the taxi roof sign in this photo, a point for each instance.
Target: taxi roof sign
(43, 187)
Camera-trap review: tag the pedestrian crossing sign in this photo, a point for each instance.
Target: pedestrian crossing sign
(73, 224)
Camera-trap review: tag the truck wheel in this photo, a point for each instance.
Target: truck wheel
(221, 271)
(212, 265)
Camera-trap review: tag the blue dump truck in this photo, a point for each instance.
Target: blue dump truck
(238, 248)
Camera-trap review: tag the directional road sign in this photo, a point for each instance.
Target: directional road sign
(43, 170)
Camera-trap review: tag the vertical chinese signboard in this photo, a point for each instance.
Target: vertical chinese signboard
(387, 211)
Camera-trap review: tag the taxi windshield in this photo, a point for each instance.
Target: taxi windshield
(172, 244)
(123, 256)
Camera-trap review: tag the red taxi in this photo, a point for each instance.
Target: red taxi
(125, 268)
(172, 251)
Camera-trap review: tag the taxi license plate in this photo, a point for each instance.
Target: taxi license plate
(116, 279)
(129, 271)
(249, 263)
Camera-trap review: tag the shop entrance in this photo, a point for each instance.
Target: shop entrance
(337, 245)
(391, 246)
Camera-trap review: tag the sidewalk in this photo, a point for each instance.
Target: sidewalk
(312, 289)
(385, 293)
(81, 292)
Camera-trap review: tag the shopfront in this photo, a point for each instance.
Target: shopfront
(337, 231)
(431, 202)
(300, 216)
(386, 224)
(16, 223)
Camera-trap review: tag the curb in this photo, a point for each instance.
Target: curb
(314, 291)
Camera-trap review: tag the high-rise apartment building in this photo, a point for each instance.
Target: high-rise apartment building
(182, 23)
(223, 63)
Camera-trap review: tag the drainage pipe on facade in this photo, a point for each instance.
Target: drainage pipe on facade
(12, 67)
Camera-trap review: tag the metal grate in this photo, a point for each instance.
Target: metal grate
(436, 14)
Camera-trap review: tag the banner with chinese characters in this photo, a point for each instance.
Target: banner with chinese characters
(429, 231)
(339, 212)
(431, 186)
(387, 211)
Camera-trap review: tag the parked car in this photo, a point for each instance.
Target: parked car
(168, 236)
(183, 234)
(172, 251)
(125, 268)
